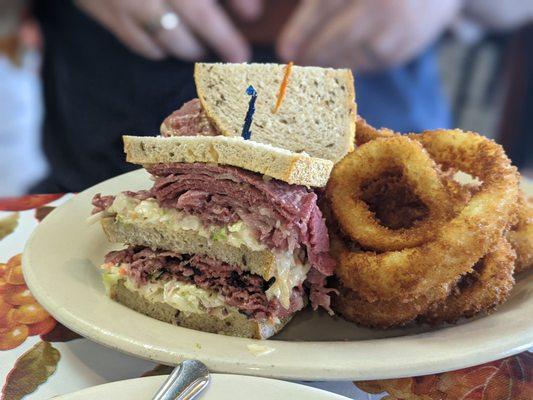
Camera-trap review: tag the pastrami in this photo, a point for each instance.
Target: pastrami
(189, 120)
(282, 216)
(240, 289)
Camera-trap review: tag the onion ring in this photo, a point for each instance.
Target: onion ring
(521, 236)
(381, 313)
(345, 189)
(482, 290)
(365, 132)
(459, 243)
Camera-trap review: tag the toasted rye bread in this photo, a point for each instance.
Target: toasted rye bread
(317, 115)
(293, 168)
(235, 324)
(188, 242)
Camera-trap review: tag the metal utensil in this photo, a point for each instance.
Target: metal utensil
(184, 383)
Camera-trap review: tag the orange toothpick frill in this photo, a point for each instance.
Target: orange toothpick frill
(283, 87)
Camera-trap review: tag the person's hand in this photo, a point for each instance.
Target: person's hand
(202, 24)
(365, 35)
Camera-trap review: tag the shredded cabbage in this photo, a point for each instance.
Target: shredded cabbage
(130, 210)
(182, 296)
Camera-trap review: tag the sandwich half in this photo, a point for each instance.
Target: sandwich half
(315, 116)
(229, 239)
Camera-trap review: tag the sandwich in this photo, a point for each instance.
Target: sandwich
(229, 239)
(316, 115)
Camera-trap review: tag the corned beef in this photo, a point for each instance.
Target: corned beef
(189, 120)
(239, 289)
(283, 216)
(100, 202)
(319, 294)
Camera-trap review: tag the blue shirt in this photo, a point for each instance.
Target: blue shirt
(406, 99)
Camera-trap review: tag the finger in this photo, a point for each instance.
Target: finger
(367, 58)
(136, 39)
(248, 10)
(374, 52)
(181, 43)
(386, 50)
(178, 42)
(339, 39)
(209, 21)
(303, 25)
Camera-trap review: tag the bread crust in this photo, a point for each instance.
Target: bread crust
(290, 167)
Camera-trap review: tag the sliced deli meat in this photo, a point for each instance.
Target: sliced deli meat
(283, 217)
(100, 203)
(240, 289)
(189, 120)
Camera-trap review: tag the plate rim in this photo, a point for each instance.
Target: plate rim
(235, 378)
(268, 366)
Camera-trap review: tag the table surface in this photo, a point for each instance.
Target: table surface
(40, 358)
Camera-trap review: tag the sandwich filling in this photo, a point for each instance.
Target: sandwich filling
(130, 209)
(242, 208)
(189, 120)
(197, 284)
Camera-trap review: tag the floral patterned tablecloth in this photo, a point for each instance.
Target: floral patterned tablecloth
(40, 358)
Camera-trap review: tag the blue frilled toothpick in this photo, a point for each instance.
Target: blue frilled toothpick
(246, 133)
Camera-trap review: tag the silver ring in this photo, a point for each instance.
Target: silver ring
(167, 22)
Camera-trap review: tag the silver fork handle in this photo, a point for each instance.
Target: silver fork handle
(185, 382)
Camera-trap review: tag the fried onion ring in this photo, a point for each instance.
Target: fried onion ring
(521, 236)
(346, 185)
(381, 313)
(482, 290)
(365, 132)
(459, 243)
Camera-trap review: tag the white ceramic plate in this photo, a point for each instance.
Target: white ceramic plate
(221, 387)
(60, 262)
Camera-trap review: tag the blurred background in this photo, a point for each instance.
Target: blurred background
(76, 75)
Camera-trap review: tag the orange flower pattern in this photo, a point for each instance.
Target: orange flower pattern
(20, 314)
(27, 202)
(507, 379)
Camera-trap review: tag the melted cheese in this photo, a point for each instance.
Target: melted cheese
(290, 272)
